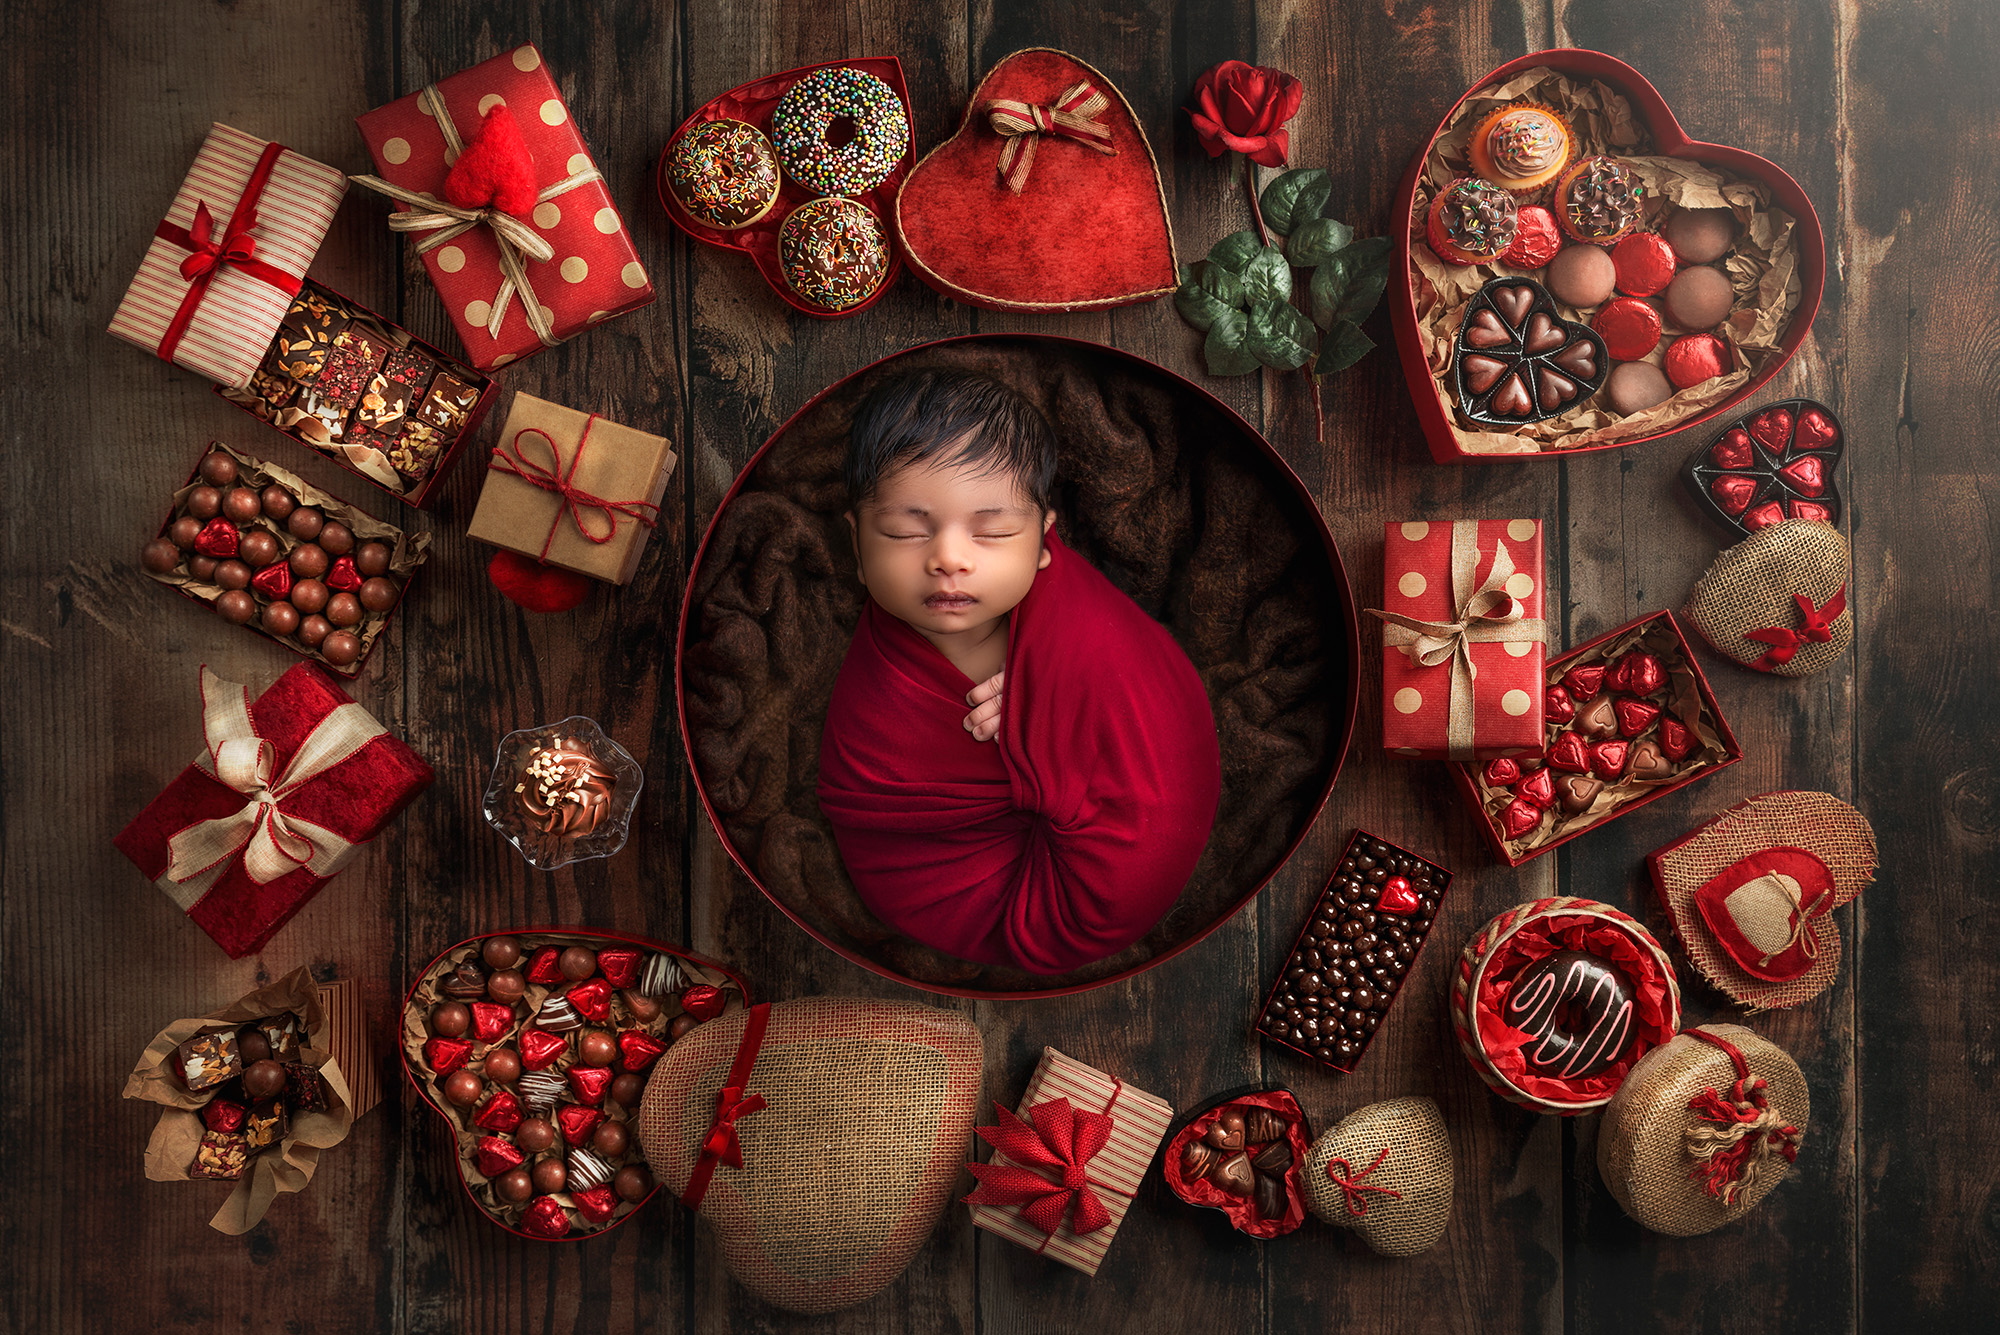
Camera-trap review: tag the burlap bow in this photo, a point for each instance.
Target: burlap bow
(1062, 1141)
(1072, 115)
(272, 842)
(1487, 614)
(1732, 1140)
(1354, 1187)
(444, 221)
(1816, 628)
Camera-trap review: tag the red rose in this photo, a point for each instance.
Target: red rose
(1245, 107)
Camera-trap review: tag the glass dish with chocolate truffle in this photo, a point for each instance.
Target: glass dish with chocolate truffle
(563, 793)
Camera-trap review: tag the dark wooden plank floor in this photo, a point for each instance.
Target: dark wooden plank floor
(1888, 114)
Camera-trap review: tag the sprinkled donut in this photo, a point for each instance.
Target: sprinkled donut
(808, 110)
(724, 173)
(834, 253)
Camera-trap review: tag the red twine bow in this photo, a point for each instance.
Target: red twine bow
(1353, 1185)
(720, 1145)
(1784, 642)
(1742, 1132)
(572, 499)
(237, 248)
(1062, 1142)
(1073, 115)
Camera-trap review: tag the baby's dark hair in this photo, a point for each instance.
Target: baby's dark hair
(950, 417)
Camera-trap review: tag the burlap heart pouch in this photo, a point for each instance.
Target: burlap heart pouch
(1777, 601)
(1385, 1172)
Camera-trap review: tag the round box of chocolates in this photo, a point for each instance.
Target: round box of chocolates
(1242, 1155)
(535, 1048)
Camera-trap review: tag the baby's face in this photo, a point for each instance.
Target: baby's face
(949, 549)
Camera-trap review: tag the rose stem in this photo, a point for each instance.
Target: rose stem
(1264, 235)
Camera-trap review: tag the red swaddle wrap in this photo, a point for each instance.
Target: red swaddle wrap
(1068, 836)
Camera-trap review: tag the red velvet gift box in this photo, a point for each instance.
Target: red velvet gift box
(488, 283)
(289, 789)
(1463, 638)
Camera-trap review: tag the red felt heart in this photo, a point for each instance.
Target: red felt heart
(1539, 787)
(1816, 431)
(1500, 773)
(1806, 474)
(1635, 716)
(1733, 493)
(528, 583)
(495, 169)
(1763, 516)
(1568, 754)
(1772, 429)
(1088, 230)
(1732, 451)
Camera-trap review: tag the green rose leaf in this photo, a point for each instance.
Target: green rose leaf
(1348, 285)
(1268, 277)
(1227, 351)
(1296, 197)
(1235, 251)
(1280, 335)
(1206, 293)
(1344, 345)
(1317, 241)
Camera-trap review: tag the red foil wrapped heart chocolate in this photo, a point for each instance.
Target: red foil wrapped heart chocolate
(1539, 787)
(1777, 463)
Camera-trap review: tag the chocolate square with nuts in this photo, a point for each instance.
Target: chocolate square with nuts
(222, 1155)
(207, 1060)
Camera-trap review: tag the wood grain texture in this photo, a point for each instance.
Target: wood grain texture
(1886, 114)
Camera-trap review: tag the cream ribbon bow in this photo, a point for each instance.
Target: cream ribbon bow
(1487, 614)
(273, 843)
(444, 221)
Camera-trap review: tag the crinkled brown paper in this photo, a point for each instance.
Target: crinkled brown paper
(170, 1153)
(1762, 268)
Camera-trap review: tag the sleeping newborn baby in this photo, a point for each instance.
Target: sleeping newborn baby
(1019, 764)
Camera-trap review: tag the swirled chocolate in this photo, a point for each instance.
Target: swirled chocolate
(563, 792)
(1575, 1009)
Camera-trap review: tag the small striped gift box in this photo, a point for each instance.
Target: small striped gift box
(346, 1036)
(230, 255)
(1113, 1173)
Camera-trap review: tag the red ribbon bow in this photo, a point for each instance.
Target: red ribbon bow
(1072, 115)
(720, 1145)
(1784, 642)
(1353, 1186)
(237, 248)
(1062, 1142)
(722, 1141)
(572, 499)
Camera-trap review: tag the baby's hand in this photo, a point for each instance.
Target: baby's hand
(984, 720)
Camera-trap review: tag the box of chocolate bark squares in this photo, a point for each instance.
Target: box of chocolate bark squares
(1354, 952)
(366, 393)
(1629, 718)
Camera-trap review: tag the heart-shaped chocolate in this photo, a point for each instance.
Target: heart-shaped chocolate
(1599, 718)
(1520, 817)
(1088, 229)
(1518, 361)
(1385, 1172)
(1583, 683)
(1397, 897)
(1676, 738)
(1568, 754)
(1772, 465)
(1500, 773)
(1228, 1131)
(1608, 758)
(1235, 1175)
(1635, 716)
(1649, 762)
(1539, 787)
(1576, 792)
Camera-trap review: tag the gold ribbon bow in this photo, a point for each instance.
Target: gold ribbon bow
(273, 843)
(1487, 614)
(1072, 115)
(444, 221)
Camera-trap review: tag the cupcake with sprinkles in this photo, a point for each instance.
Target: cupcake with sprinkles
(1521, 148)
(834, 253)
(724, 173)
(1599, 200)
(1471, 222)
(804, 123)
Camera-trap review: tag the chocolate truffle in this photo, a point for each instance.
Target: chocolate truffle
(577, 963)
(501, 952)
(202, 567)
(506, 986)
(683, 1024)
(281, 619)
(504, 1065)
(597, 1048)
(377, 595)
(305, 523)
(372, 559)
(313, 630)
(1701, 236)
(258, 548)
(236, 607)
(632, 1182)
(308, 559)
(160, 555)
(628, 1089)
(463, 1088)
(535, 1134)
(1581, 276)
(252, 1046)
(1699, 298)
(204, 503)
(450, 1019)
(184, 531)
(217, 469)
(263, 1079)
(277, 502)
(343, 609)
(1636, 386)
(309, 596)
(340, 648)
(336, 537)
(242, 504)
(233, 574)
(514, 1185)
(549, 1174)
(611, 1139)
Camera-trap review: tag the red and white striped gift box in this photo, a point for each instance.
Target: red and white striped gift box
(220, 321)
(1139, 1124)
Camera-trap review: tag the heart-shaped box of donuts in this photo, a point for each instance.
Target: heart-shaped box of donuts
(534, 1046)
(799, 171)
(1599, 120)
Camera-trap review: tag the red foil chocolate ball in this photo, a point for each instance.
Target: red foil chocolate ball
(1696, 358)
(1536, 239)
(1630, 328)
(1645, 264)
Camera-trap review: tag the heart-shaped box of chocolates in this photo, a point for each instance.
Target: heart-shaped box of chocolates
(1772, 254)
(1518, 361)
(534, 1046)
(1774, 464)
(845, 260)
(1242, 1154)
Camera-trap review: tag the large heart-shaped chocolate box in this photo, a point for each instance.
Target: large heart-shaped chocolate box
(1087, 230)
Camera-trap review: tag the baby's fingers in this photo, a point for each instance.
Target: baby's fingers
(986, 690)
(984, 722)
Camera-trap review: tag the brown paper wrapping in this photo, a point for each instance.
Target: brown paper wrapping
(175, 1138)
(619, 464)
(1762, 268)
(416, 1032)
(1684, 702)
(407, 551)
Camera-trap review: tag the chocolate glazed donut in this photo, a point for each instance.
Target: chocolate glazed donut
(1576, 1011)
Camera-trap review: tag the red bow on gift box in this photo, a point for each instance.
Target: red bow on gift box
(1073, 115)
(237, 249)
(1784, 642)
(1062, 1141)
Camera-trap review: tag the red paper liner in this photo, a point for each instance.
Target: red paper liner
(1241, 1210)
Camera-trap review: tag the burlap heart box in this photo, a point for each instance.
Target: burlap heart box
(1385, 1172)
(1777, 601)
(1087, 227)
(821, 1139)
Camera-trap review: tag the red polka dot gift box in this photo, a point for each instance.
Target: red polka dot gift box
(496, 189)
(1463, 639)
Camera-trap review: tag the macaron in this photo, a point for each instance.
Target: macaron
(1581, 276)
(1701, 236)
(1636, 386)
(1699, 298)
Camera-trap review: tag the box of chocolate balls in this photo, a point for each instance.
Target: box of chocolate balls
(265, 549)
(535, 1047)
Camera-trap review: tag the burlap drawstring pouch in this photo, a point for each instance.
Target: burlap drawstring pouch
(1777, 601)
(1385, 1172)
(1702, 1130)
(820, 1138)
(1752, 892)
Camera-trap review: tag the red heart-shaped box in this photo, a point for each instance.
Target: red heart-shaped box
(1088, 230)
(1669, 140)
(753, 103)
(458, 1122)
